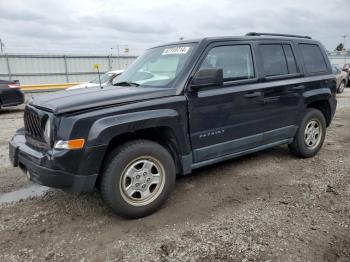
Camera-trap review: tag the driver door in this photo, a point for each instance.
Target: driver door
(227, 120)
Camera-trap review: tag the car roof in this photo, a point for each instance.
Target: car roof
(5, 81)
(237, 38)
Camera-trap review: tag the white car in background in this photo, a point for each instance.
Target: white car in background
(106, 79)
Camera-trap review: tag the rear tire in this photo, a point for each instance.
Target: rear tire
(341, 87)
(310, 135)
(138, 178)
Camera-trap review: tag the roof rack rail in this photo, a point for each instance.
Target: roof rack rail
(272, 34)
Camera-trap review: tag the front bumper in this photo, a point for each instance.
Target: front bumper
(35, 164)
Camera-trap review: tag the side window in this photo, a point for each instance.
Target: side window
(274, 61)
(236, 61)
(292, 66)
(313, 58)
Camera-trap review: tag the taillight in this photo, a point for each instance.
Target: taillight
(13, 86)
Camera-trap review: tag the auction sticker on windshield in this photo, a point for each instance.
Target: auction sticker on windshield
(176, 50)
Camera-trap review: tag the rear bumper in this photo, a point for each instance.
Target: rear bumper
(34, 164)
(13, 97)
(333, 104)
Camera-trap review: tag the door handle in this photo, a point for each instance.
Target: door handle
(272, 99)
(300, 87)
(252, 95)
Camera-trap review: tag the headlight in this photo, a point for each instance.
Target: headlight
(47, 131)
(70, 144)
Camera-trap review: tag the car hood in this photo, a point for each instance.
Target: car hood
(82, 85)
(85, 85)
(80, 99)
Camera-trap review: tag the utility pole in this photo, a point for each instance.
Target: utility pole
(344, 41)
(2, 45)
(118, 54)
(111, 60)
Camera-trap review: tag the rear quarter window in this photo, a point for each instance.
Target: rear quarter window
(314, 61)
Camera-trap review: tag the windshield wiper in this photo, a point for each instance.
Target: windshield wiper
(125, 83)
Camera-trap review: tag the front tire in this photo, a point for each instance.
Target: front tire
(310, 135)
(138, 178)
(341, 87)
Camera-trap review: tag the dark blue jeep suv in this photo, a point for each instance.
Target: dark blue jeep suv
(178, 107)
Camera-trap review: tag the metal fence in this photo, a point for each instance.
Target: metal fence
(52, 69)
(47, 69)
(339, 59)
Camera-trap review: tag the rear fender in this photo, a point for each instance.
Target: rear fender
(317, 95)
(324, 100)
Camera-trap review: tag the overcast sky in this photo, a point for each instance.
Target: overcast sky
(96, 26)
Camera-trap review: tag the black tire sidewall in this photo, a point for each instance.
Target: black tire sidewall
(339, 90)
(118, 161)
(311, 113)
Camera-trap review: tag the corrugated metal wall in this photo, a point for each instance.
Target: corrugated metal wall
(51, 69)
(339, 59)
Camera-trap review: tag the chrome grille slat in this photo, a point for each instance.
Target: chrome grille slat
(36, 128)
(32, 124)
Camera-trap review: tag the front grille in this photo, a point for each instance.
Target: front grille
(33, 124)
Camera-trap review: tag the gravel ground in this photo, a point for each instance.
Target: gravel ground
(268, 206)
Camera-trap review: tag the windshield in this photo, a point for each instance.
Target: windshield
(104, 78)
(158, 67)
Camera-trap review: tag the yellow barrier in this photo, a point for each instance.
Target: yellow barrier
(47, 87)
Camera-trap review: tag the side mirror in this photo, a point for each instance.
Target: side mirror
(207, 78)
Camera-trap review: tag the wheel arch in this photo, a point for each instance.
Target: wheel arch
(325, 108)
(164, 126)
(320, 99)
(163, 135)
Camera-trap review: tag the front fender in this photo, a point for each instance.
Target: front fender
(105, 129)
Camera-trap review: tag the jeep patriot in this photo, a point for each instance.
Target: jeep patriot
(178, 107)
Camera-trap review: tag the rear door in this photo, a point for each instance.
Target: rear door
(283, 93)
(226, 120)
